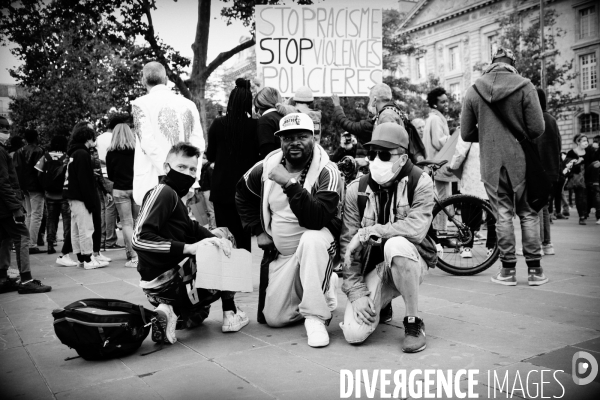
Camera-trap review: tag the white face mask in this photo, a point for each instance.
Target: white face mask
(4, 136)
(382, 172)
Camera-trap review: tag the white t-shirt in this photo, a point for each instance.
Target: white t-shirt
(285, 229)
(102, 143)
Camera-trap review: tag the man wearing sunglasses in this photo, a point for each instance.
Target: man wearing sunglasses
(387, 214)
(291, 202)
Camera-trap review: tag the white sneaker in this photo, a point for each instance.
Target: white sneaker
(102, 258)
(440, 250)
(548, 250)
(519, 251)
(233, 322)
(103, 263)
(331, 295)
(316, 332)
(66, 261)
(133, 263)
(168, 320)
(93, 264)
(465, 252)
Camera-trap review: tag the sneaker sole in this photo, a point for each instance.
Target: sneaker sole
(34, 292)
(415, 351)
(322, 344)
(66, 265)
(236, 327)
(90, 268)
(157, 334)
(505, 283)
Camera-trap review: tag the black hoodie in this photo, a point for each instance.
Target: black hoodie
(80, 183)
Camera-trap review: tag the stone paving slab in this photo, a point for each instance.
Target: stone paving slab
(471, 324)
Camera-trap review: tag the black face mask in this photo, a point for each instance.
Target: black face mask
(181, 183)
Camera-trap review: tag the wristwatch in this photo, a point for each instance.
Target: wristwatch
(289, 183)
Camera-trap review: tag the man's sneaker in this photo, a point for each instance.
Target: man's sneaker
(519, 251)
(536, 277)
(479, 237)
(506, 277)
(93, 264)
(414, 335)
(114, 247)
(40, 240)
(9, 285)
(33, 286)
(66, 261)
(163, 325)
(465, 252)
(102, 258)
(233, 322)
(133, 263)
(34, 250)
(316, 332)
(51, 249)
(386, 314)
(548, 249)
(331, 295)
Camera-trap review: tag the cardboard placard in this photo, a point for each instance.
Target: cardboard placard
(329, 48)
(217, 271)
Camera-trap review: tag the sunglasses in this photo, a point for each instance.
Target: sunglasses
(384, 155)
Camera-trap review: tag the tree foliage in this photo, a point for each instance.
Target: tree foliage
(525, 42)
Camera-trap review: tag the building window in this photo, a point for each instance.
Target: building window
(588, 71)
(587, 22)
(492, 44)
(454, 59)
(420, 68)
(455, 91)
(589, 123)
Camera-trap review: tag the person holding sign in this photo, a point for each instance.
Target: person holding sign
(291, 201)
(165, 237)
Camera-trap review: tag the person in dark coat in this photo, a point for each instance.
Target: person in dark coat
(265, 103)
(233, 147)
(503, 159)
(549, 145)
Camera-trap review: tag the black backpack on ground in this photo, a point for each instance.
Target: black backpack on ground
(52, 178)
(97, 334)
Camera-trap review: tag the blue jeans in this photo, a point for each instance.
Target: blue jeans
(128, 211)
(19, 235)
(505, 203)
(34, 206)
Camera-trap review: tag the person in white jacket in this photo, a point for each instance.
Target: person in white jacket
(161, 120)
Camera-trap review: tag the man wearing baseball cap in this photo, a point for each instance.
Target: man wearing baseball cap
(503, 160)
(291, 202)
(387, 214)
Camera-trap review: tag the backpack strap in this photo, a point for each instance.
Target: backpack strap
(363, 183)
(108, 305)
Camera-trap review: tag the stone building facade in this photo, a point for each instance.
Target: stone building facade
(454, 35)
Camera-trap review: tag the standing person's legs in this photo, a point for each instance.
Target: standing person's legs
(530, 230)
(595, 187)
(442, 190)
(503, 207)
(19, 234)
(27, 207)
(226, 215)
(36, 200)
(124, 203)
(82, 230)
(100, 224)
(471, 216)
(581, 203)
(53, 208)
(43, 225)
(66, 217)
(544, 216)
(111, 223)
(210, 209)
(5, 247)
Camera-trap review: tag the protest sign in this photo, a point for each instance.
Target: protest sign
(214, 270)
(330, 49)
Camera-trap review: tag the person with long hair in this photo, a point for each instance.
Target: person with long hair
(119, 167)
(580, 160)
(233, 148)
(265, 103)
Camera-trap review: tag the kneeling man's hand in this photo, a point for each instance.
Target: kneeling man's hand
(223, 244)
(364, 310)
(353, 249)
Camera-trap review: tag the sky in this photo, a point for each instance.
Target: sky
(175, 23)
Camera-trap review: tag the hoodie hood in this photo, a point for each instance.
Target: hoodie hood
(76, 147)
(499, 81)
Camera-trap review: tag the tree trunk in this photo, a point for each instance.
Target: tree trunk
(200, 100)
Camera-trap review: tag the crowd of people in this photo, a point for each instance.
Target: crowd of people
(264, 174)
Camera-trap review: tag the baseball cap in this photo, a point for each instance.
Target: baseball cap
(389, 135)
(304, 94)
(502, 52)
(295, 122)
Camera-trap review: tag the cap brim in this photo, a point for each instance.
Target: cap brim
(284, 131)
(383, 143)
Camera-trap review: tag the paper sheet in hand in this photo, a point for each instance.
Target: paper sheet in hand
(217, 271)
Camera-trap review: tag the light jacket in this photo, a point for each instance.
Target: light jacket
(317, 204)
(517, 101)
(436, 133)
(467, 155)
(162, 119)
(410, 222)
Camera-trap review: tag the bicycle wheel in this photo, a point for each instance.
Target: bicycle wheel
(466, 216)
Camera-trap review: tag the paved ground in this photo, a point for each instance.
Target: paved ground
(471, 324)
